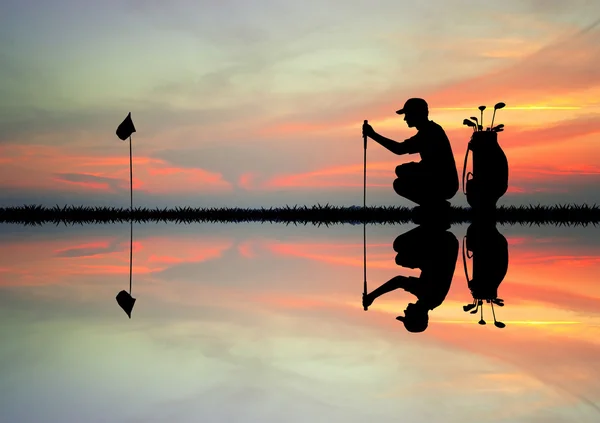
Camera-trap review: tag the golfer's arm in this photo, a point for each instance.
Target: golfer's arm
(391, 285)
(395, 147)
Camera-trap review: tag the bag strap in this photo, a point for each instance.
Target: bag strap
(465, 260)
(465, 166)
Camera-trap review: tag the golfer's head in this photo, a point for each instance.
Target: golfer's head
(415, 318)
(415, 110)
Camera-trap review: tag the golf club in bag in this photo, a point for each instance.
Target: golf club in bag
(489, 250)
(488, 181)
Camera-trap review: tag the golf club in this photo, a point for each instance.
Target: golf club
(496, 107)
(482, 322)
(497, 323)
(469, 306)
(498, 127)
(365, 216)
(479, 303)
(469, 123)
(482, 108)
(476, 121)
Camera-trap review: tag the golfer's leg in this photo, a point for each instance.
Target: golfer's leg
(407, 182)
(411, 248)
(410, 167)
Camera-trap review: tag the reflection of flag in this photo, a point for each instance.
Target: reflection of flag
(126, 302)
(126, 128)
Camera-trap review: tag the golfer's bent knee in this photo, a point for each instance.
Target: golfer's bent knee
(398, 186)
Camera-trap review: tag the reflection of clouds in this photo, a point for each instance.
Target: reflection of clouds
(92, 249)
(287, 331)
(558, 360)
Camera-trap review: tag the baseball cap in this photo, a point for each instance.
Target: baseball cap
(413, 105)
(414, 324)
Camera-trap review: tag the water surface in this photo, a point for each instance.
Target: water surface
(251, 322)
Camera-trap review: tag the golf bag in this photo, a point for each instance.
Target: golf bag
(489, 178)
(489, 251)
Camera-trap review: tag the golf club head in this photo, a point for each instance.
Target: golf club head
(470, 124)
(499, 105)
(499, 130)
(482, 322)
(468, 307)
(499, 325)
(474, 118)
(474, 311)
(482, 108)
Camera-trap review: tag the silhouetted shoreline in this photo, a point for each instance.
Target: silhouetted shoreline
(33, 215)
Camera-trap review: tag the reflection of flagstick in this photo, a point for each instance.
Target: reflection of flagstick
(124, 131)
(130, 253)
(124, 299)
(365, 217)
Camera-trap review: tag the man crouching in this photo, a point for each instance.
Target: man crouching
(433, 180)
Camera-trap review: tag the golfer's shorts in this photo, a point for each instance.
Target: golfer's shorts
(417, 183)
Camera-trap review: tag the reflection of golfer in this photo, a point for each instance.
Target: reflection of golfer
(434, 252)
(432, 180)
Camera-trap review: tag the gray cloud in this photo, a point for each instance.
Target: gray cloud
(112, 183)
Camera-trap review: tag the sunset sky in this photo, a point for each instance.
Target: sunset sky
(243, 323)
(259, 103)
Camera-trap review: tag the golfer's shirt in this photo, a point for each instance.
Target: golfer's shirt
(432, 287)
(430, 290)
(433, 145)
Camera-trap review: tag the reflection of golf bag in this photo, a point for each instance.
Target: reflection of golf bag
(489, 250)
(489, 179)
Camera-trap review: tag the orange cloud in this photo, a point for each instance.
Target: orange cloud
(542, 76)
(42, 167)
(246, 180)
(380, 174)
(559, 132)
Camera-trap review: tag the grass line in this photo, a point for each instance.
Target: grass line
(318, 214)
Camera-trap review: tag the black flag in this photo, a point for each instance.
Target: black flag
(126, 128)
(126, 302)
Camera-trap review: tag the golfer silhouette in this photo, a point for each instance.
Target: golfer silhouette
(433, 180)
(434, 250)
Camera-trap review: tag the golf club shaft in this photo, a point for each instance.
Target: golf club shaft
(365, 216)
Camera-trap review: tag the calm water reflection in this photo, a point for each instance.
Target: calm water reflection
(266, 323)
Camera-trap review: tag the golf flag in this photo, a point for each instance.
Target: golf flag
(126, 302)
(126, 128)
